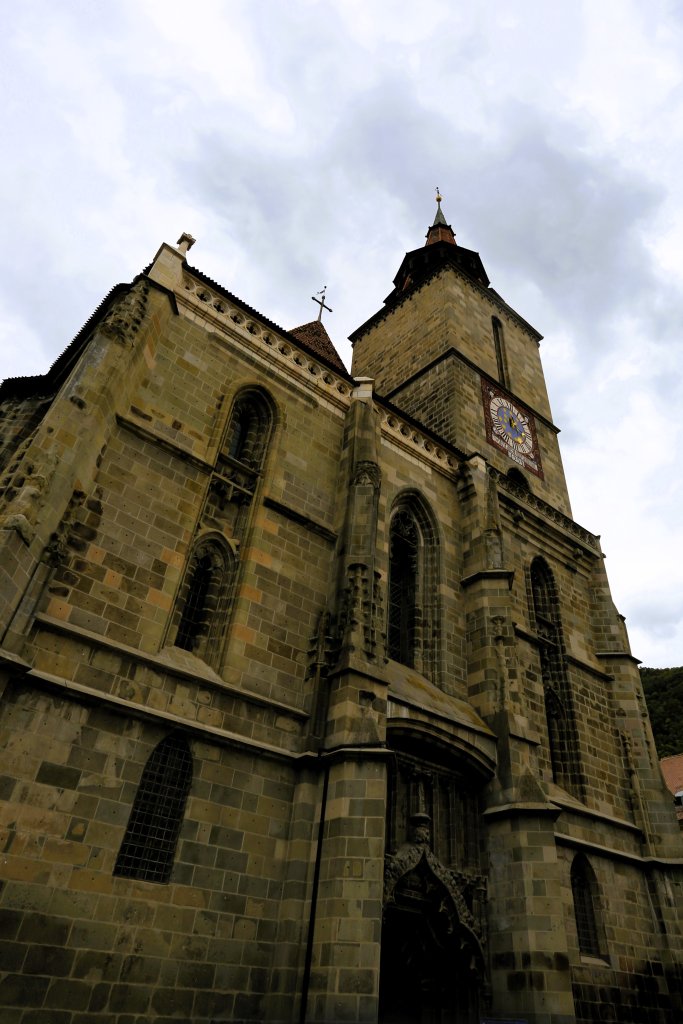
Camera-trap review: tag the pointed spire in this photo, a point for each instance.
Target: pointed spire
(440, 231)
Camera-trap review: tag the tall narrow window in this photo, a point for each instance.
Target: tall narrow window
(403, 569)
(556, 721)
(501, 355)
(149, 844)
(248, 430)
(584, 891)
(413, 604)
(562, 738)
(193, 620)
(204, 599)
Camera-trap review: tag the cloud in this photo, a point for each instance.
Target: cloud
(301, 144)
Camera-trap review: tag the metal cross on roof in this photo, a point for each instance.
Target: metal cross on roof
(321, 302)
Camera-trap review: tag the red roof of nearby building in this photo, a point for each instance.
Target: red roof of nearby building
(672, 770)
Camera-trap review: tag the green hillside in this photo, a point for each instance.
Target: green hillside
(664, 695)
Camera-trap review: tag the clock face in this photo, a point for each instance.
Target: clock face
(511, 425)
(510, 428)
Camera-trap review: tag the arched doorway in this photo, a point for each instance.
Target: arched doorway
(431, 966)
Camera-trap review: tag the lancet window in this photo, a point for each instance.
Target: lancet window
(561, 728)
(249, 428)
(586, 905)
(413, 593)
(204, 599)
(403, 584)
(240, 461)
(148, 848)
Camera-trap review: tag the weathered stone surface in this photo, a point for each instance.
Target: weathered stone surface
(213, 541)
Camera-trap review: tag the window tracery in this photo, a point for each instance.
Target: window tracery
(403, 570)
(204, 599)
(561, 727)
(412, 626)
(585, 894)
(148, 848)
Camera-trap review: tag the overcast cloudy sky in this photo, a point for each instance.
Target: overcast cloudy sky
(301, 142)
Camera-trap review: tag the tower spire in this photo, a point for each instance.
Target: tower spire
(440, 231)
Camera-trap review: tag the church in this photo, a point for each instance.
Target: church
(315, 705)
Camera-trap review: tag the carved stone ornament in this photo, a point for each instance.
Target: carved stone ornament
(123, 320)
(367, 473)
(361, 618)
(23, 495)
(397, 865)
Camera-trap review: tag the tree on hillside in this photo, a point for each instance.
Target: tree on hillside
(664, 695)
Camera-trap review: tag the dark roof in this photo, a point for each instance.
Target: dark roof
(326, 352)
(421, 263)
(315, 337)
(45, 385)
(317, 343)
(439, 218)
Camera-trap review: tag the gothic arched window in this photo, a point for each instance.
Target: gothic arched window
(562, 738)
(249, 429)
(585, 893)
(204, 599)
(403, 583)
(412, 625)
(556, 721)
(196, 608)
(149, 844)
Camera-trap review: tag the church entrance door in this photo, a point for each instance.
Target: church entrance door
(428, 971)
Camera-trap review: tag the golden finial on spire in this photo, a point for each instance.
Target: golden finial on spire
(439, 197)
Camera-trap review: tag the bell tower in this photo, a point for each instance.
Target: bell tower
(448, 350)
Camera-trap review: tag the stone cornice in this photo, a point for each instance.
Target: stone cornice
(521, 497)
(609, 852)
(507, 575)
(302, 520)
(200, 674)
(228, 316)
(455, 353)
(131, 708)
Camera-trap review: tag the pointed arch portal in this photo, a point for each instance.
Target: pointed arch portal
(432, 969)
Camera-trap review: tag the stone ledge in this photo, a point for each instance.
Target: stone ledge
(489, 574)
(525, 809)
(573, 807)
(626, 655)
(117, 704)
(300, 519)
(152, 436)
(526, 634)
(608, 851)
(13, 662)
(198, 673)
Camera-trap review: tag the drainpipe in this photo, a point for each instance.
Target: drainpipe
(314, 899)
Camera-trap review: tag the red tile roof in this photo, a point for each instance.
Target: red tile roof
(316, 338)
(672, 770)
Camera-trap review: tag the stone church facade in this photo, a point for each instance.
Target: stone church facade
(315, 704)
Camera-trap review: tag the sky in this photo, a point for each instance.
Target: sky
(301, 144)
